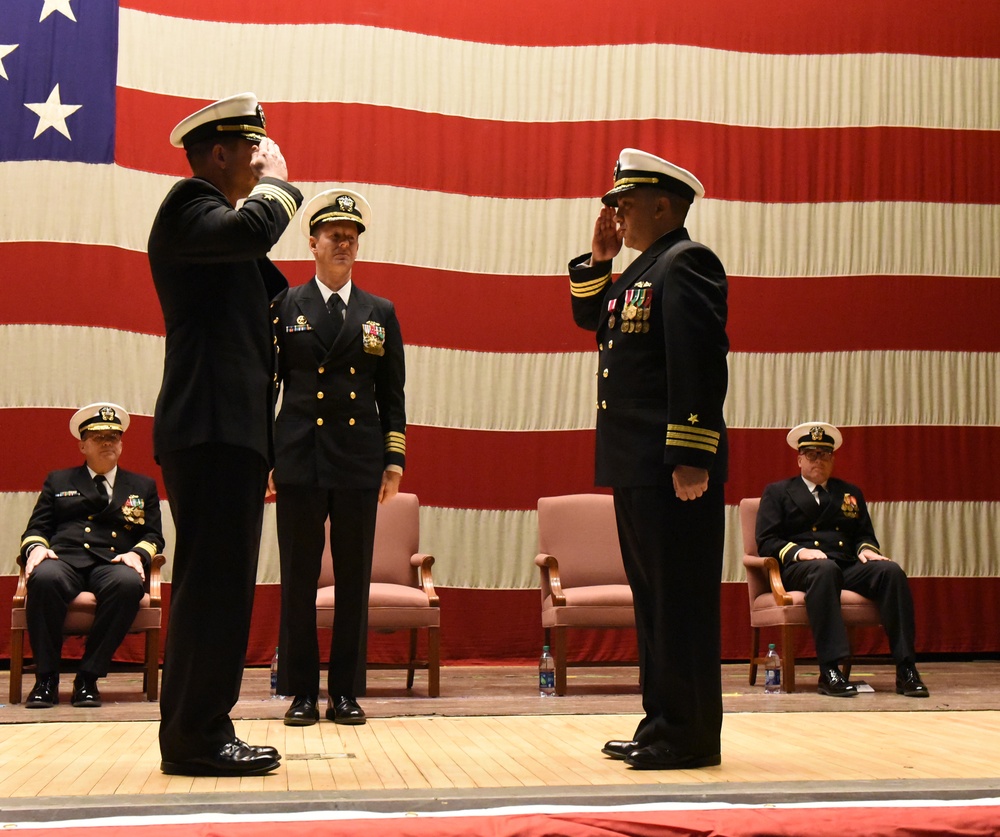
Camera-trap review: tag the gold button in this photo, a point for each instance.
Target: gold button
(814, 528)
(86, 546)
(276, 320)
(112, 549)
(352, 370)
(604, 405)
(319, 422)
(275, 340)
(600, 347)
(351, 422)
(815, 543)
(319, 394)
(321, 370)
(605, 373)
(840, 543)
(90, 517)
(276, 377)
(611, 343)
(354, 395)
(87, 529)
(114, 534)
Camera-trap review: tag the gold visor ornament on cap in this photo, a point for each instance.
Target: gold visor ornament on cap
(240, 115)
(814, 434)
(338, 204)
(636, 169)
(102, 415)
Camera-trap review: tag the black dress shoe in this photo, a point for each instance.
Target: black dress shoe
(908, 682)
(45, 694)
(302, 712)
(264, 750)
(655, 757)
(232, 759)
(85, 691)
(345, 710)
(834, 684)
(619, 749)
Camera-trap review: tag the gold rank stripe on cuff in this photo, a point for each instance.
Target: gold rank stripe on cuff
(680, 435)
(270, 191)
(395, 442)
(146, 547)
(32, 540)
(590, 288)
(870, 546)
(784, 551)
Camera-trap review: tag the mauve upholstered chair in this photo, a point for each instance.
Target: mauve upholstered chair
(583, 582)
(402, 593)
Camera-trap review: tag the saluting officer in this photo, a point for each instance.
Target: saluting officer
(95, 528)
(661, 446)
(214, 416)
(340, 449)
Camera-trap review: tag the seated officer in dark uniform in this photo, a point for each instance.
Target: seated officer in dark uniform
(819, 529)
(95, 528)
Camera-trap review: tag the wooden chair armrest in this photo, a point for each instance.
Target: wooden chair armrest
(423, 562)
(154, 580)
(549, 567)
(22, 584)
(773, 570)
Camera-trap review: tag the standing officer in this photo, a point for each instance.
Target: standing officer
(661, 446)
(94, 528)
(340, 449)
(819, 529)
(214, 416)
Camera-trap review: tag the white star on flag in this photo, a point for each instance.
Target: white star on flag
(61, 6)
(52, 113)
(5, 50)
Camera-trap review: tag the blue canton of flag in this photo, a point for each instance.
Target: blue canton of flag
(58, 61)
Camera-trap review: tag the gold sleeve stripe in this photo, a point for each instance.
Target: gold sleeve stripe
(870, 546)
(784, 551)
(395, 442)
(33, 539)
(672, 443)
(591, 288)
(147, 547)
(269, 190)
(693, 437)
(697, 431)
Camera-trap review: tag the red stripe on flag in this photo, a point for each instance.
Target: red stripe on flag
(889, 463)
(929, 27)
(112, 288)
(528, 159)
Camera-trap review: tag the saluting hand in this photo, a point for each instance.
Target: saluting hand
(607, 237)
(267, 160)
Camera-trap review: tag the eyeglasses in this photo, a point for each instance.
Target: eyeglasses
(102, 438)
(813, 455)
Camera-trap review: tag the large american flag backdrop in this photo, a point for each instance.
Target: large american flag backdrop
(851, 156)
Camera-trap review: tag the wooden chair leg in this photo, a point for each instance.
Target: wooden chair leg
(16, 664)
(754, 651)
(433, 662)
(788, 658)
(413, 657)
(151, 673)
(558, 649)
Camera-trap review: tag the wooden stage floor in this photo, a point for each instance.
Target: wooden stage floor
(490, 741)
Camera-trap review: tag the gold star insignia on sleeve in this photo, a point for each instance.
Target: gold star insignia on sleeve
(693, 418)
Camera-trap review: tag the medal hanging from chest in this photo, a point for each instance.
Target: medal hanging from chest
(612, 304)
(636, 309)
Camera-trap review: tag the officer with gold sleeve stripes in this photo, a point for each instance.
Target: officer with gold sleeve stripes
(214, 415)
(340, 450)
(661, 446)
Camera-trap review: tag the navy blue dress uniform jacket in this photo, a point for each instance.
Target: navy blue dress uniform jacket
(661, 381)
(73, 518)
(790, 519)
(215, 284)
(342, 418)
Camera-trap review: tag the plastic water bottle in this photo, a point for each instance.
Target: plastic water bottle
(546, 674)
(772, 672)
(274, 674)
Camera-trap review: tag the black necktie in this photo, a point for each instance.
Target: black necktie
(824, 496)
(102, 488)
(337, 308)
